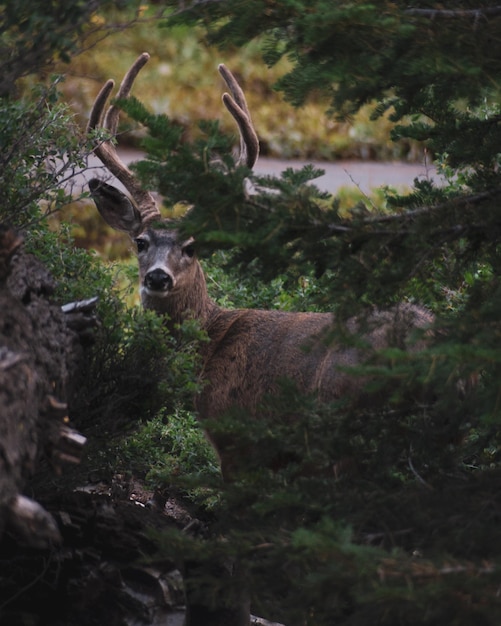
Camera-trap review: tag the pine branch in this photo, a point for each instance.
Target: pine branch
(446, 233)
(453, 203)
(476, 14)
(183, 8)
(421, 569)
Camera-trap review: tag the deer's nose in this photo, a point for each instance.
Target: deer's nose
(158, 280)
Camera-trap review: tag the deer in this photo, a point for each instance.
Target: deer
(249, 351)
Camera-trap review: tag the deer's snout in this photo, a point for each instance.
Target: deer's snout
(158, 280)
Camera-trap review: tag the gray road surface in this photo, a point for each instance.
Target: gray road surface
(365, 175)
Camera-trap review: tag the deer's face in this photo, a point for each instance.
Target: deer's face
(166, 262)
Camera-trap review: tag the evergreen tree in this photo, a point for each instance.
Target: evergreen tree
(386, 512)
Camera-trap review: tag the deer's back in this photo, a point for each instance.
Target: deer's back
(251, 351)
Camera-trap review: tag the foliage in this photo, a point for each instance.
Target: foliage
(170, 444)
(401, 57)
(34, 34)
(361, 518)
(183, 65)
(379, 509)
(134, 368)
(381, 44)
(38, 152)
(234, 289)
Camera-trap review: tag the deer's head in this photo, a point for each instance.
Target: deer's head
(167, 262)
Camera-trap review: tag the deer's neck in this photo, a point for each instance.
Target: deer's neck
(187, 301)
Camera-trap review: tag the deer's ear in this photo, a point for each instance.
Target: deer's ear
(115, 207)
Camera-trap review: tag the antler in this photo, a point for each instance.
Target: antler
(106, 151)
(237, 106)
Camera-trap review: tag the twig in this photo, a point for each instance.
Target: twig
(32, 583)
(419, 478)
(357, 185)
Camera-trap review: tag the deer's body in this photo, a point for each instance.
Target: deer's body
(249, 352)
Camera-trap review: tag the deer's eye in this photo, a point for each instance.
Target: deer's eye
(189, 250)
(141, 244)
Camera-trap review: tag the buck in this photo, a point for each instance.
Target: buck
(249, 351)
